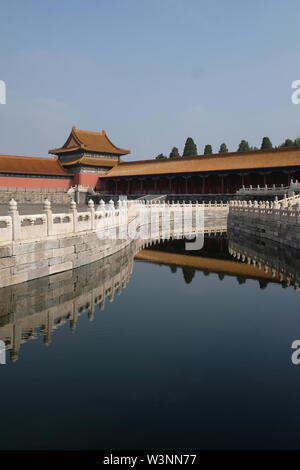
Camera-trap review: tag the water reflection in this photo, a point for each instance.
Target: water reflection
(271, 259)
(228, 255)
(37, 308)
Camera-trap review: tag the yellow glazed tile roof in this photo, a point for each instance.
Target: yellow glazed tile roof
(283, 157)
(32, 165)
(89, 141)
(92, 161)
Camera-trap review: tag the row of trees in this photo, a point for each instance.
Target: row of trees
(190, 148)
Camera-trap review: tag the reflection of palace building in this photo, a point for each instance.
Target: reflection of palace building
(39, 307)
(269, 263)
(90, 159)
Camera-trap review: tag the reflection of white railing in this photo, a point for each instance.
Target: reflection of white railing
(266, 262)
(29, 317)
(106, 217)
(269, 190)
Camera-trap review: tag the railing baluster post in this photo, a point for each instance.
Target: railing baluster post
(91, 206)
(49, 218)
(74, 215)
(16, 224)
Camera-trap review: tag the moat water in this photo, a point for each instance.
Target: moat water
(195, 353)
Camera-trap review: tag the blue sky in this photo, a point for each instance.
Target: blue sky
(149, 72)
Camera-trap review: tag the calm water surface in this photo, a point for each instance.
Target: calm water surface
(183, 358)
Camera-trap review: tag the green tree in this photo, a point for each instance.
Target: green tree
(266, 143)
(174, 153)
(208, 149)
(244, 146)
(297, 142)
(287, 143)
(190, 147)
(160, 156)
(223, 148)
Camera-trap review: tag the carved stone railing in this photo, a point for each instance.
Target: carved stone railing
(278, 221)
(16, 227)
(269, 190)
(33, 246)
(285, 210)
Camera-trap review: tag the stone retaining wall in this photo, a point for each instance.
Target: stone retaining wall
(278, 222)
(20, 262)
(34, 246)
(33, 195)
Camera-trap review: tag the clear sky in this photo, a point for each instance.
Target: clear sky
(149, 72)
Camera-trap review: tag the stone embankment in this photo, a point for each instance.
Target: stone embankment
(33, 246)
(278, 221)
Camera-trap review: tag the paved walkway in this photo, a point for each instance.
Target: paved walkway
(27, 209)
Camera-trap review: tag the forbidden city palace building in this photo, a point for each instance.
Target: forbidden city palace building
(90, 160)
(204, 174)
(88, 155)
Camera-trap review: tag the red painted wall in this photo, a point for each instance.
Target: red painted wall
(13, 181)
(86, 179)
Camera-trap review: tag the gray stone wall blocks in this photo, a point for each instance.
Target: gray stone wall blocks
(285, 232)
(24, 261)
(33, 195)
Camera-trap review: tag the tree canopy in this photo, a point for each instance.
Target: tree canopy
(208, 149)
(266, 143)
(223, 148)
(288, 143)
(190, 147)
(174, 153)
(244, 146)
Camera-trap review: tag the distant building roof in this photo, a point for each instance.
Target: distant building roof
(32, 165)
(271, 158)
(89, 141)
